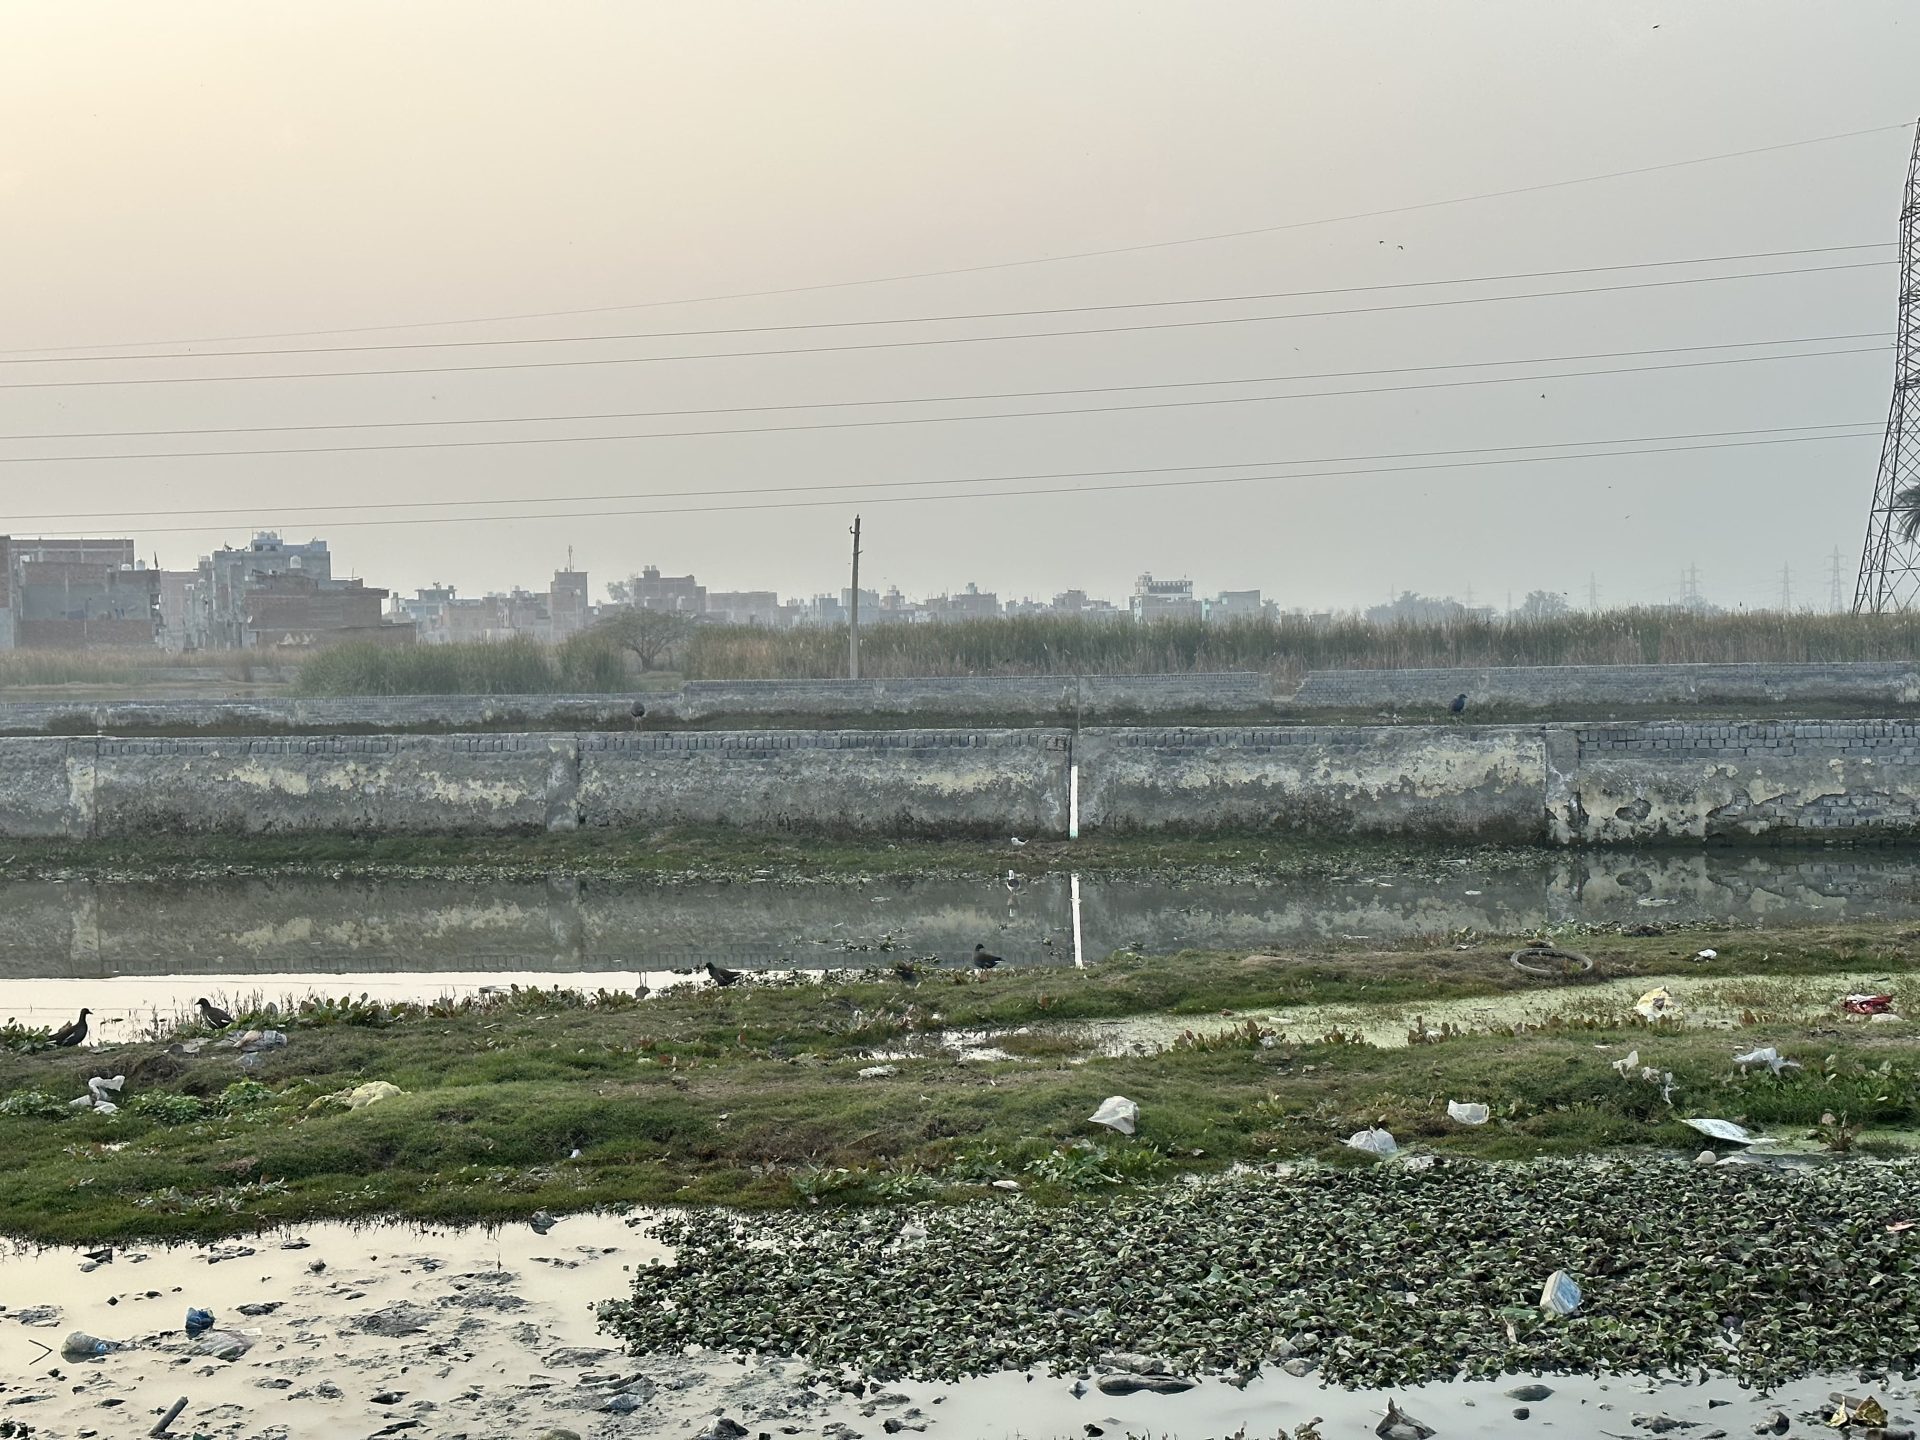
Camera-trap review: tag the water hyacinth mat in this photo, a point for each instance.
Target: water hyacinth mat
(1385, 1275)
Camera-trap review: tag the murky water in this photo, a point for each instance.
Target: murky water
(143, 944)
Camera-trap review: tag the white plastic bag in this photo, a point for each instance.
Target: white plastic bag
(1768, 1056)
(1560, 1296)
(1658, 1005)
(1116, 1112)
(1730, 1132)
(1374, 1141)
(1469, 1114)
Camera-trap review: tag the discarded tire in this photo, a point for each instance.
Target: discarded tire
(1550, 963)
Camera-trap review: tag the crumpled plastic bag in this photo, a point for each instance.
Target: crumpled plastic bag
(1658, 1005)
(1726, 1130)
(371, 1093)
(1374, 1141)
(98, 1089)
(1468, 1114)
(1116, 1112)
(1560, 1295)
(1768, 1056)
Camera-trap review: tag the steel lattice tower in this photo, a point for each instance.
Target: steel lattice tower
(1890, 563)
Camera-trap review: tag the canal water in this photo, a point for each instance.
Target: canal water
(134, 947)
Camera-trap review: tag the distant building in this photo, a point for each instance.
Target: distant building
(76, 594)
(744, 607)
(568, 607)
(650, 590)
(1237, 605)
(281, 594)
(1164, 600)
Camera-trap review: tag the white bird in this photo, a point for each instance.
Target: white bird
(1013, 882)
(1018, 842)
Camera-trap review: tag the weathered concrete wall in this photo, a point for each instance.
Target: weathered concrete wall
(1618, 784)
(1544, 687)
(381, 713)
(1567, 785)
(906, 782)
(984, 698)
(1443, 782)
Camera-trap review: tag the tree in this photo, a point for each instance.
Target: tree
(1543, 605)
(647, 635)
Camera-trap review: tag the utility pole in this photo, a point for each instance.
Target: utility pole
(1593, 592)
(853, 610)
(1786, 590)
(1836, 596)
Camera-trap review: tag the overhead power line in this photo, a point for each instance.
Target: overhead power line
(932, 399)
(951, 318)
(941, 340)
(1862, 426)
(516, 440)
(996, 494)
(1135, 249)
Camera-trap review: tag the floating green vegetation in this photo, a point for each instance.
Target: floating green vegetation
(1388, 1275)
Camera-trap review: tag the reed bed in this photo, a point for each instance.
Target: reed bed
(1289, 646)
(586, 664)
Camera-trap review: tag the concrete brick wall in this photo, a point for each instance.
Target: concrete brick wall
(1543, 687)
(1446, 782)
(1566, 785)
(1811, 779)
(905, 782)
(983, 698)
(986, 697)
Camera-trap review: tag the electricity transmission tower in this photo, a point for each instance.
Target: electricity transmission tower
(1890, 562)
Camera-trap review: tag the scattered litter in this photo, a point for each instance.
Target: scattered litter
(166, 1421)
(1707, 1157)
(1768, 1056)
(263, 1040)
(1856, 1410)
(1657, 1005)
(1868, 1004)
(371, 1093)
(1116, 1112)
(1467, 1114)
(1726, 1130)
(1706, 955)
(1006, 1184)
(82, 1346)
(1896, 1227)
(913, 1232)
(1550, 962)
(1654, 903)
(541, 1221)
(1560, 1294)
(1398, 1425)
(875, 1072)
(1374, 1141)
(1627, 1063)
(223, 1344)
(98, 1089)
(198, 1323)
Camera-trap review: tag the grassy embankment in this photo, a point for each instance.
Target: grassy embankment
(751, 1095)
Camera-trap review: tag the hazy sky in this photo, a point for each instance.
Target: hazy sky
(192, 170)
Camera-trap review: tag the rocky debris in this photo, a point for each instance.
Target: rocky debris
(257, 1308)
(1398, 1425)
(38, 1315)
(400, 1318)
(1776, 1423)
(1661, 1424)
(575, 1357)
(722, 1428)
(1532, 1394)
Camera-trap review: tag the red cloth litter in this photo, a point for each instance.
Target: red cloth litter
(1867, 1004)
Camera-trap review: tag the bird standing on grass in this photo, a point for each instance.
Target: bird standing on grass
(983, 960)
(73, 1034)
(722, 976)
(1459, 706)
(211, 1015)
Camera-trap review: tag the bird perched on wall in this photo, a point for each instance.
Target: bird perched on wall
(73, 1034)
(1459, 706)
(211, 1015)
(983, 959)
(722, 976)
(1014, 883)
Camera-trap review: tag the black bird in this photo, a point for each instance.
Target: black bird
(1014, 883)
(721, 976)
(1459, 705)
(212, 1015)
(982, 960)
(638, 712)
(73, 1034)
(907, 971)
